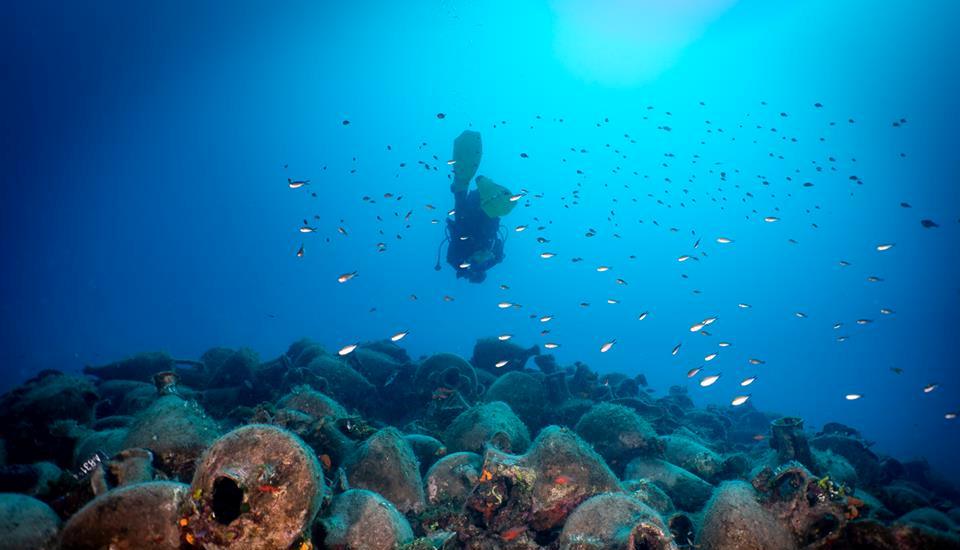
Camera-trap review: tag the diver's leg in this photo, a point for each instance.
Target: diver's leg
(459, 202)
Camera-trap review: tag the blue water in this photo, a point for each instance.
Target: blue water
(146, 205)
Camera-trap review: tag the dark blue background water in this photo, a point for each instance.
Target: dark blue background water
(145, 203)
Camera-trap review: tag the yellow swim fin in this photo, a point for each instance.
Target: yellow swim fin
(467, 150)
(494, 198)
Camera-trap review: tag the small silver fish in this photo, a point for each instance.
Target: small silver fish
(708, 381)
(296, 184)
(739, 400)
(391, 378)
(346, 277)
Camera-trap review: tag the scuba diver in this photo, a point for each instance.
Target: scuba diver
(474, 234)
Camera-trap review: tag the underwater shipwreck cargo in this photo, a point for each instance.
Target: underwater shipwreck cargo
(257, 487)
(790, 442)
(362, 519)
(734, 519)
(26, 522)
(176, 430)
(305, 469)
(144, 515)
(615, 521)
(385, 463)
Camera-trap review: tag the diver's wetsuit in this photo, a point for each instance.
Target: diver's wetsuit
(482, 234)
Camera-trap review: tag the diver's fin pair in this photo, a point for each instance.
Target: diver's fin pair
(495, 200)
